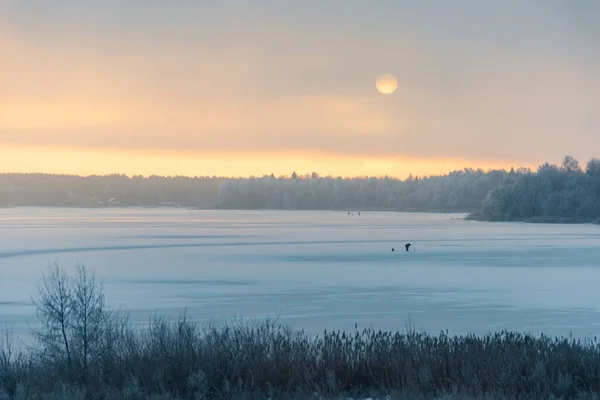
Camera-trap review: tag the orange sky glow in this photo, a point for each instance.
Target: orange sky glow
(241, 89)
(82, 161)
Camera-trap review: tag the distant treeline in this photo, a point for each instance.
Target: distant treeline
(553, 193)
(457, 191)
(19, 190)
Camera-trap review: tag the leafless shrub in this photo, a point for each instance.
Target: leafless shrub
(11, 362)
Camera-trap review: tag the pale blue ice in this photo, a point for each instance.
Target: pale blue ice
(314, 270)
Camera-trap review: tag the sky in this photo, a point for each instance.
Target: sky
(253, 87)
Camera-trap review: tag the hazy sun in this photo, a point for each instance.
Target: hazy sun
(386, 83)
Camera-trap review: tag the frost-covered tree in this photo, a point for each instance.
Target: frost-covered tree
(564, 193)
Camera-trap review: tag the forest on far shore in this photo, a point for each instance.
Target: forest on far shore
(552, 193)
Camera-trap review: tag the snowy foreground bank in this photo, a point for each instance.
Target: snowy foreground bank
(180, 360)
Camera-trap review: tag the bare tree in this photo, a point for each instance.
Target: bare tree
(54, 307)
(73, 316)
(88, 315)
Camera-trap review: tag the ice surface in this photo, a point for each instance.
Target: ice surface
(316, 270)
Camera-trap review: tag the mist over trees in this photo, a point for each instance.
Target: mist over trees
(20, 190)
(461, 190)
(554, 193)
(457, 191)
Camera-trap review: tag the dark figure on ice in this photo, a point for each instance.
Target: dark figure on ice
(407, 246)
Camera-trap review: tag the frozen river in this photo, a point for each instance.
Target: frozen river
(315, 270)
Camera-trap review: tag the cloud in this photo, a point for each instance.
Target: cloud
(474, 82)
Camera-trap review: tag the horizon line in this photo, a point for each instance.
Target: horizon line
(268, 175)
